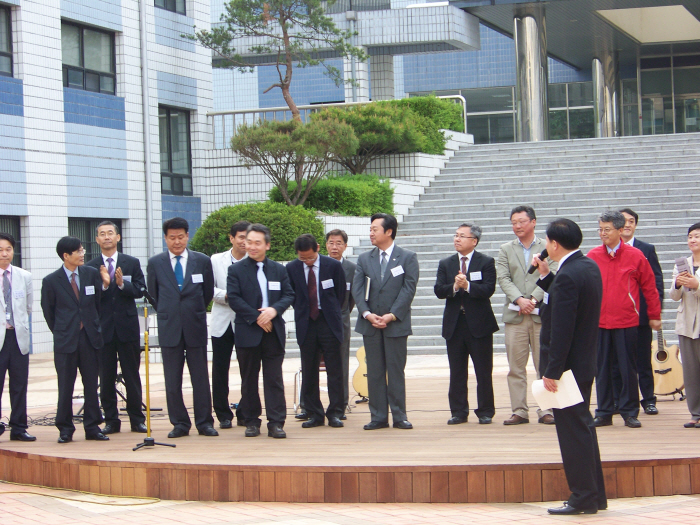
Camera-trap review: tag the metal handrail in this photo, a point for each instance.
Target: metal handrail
(305, 110)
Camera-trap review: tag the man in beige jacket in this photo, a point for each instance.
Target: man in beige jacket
(520, 312)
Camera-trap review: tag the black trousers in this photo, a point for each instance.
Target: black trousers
(12, 361)
(86, 359)
(645, 374)
(173, 364)
(460, 347)
(620, 344)
(321, 341)
(270, 354)
(578, 442)
(222, 348)
(129, 357)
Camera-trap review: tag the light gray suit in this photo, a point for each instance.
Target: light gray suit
(345, 309)
(386, 349)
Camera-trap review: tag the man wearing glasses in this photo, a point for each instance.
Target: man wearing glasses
(625, 272)
(467, 280)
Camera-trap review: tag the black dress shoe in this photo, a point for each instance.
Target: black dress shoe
(456, 420)
(178, 432)
(97, 436)
(485, 420)
(111, 429)
(138, 427)
(651, 409)
(225, 423)
(568, 510)
(302, 416)
(208, 431)
(343, 417)
(374, 425)
(334, 422)
(21, 436)
(252, 431)
(403, 425)
(240, 422)
(601, 421)
(276, 431)
(313, 422)
(2, 428)
(632, 422)
(65, 438)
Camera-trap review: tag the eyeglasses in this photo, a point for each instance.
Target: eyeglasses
(605, 230)
(521, 222)
(458, 236)
(80, 252)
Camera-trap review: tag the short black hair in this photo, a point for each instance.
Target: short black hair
(388, 222)
(527, 209)
(67, 244)
(340, 233)
(694, 227)
(631, 212)
(9, 238)
(176, 223)
(305, 242)
(566, 232)
(107, 223)
(240, 226)
(260, 228)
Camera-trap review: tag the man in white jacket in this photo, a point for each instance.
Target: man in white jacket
(221, 325)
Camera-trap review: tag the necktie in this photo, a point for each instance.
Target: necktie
(464, 266)
(7, 292)
(262, 280)
(110, 268)
(74, 285)
(313, 299)
(178, 272)
(382, 266)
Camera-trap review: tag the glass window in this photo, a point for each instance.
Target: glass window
(488, 100)
(85, 230)
(88, 59)
(5, 42)
(556, 94)
(580, 94)
(176, 6)
(558, 125)
(175, 153)
(656, 82)
(686, 80)
(629, 92)
(9, 224)
(581, 124)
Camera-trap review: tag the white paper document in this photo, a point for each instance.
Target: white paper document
(567, 393)
(516, 308)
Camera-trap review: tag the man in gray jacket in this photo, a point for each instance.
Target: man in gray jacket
(383, 288)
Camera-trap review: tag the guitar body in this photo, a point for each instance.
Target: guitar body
(359, 378)
(668, 371)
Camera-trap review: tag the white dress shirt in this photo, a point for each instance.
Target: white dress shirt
(114, 265)
(183, 261)
(466, 264)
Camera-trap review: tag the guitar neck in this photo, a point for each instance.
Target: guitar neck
(660, 338)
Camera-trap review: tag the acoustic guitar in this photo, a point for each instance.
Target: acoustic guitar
(668, 371)
(359, 378)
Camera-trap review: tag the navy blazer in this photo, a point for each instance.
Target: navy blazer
(245, 298)
(569, 336)
(181, 313)
(64, 312)
(332, 298)
(476, 303)
(118, 314)
(650, 253)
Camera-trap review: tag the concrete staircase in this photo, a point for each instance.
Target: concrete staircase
(656, 176)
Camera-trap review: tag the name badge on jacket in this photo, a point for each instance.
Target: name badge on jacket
(197, 278)
(19, 294)
(545, 299)
(273, 285)
(347, 286)
(126, 278)
(89, 290)
(396, 271)
(475, 276)
(328, 283)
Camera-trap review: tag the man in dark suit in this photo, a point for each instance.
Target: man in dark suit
(181, 282)
(383, 288)
(336, 244)
(70, 300)
(644, 335)
(120, 329)
(319, 290)
(467, 280)
(569, 337)
(259, 292)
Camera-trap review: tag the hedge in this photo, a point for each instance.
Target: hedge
(445, 113)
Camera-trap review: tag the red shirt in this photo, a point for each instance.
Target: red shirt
(623, 275)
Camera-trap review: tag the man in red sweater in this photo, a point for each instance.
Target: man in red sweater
(625, 271)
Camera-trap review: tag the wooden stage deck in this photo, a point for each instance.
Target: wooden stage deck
(432, 463)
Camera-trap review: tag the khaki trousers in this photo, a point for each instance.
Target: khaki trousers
(521, 339)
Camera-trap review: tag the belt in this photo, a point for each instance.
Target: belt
(9, 328)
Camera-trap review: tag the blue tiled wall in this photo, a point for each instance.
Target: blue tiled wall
(107, 14)
(189, 208)
(176, 90)
(93, 109)
(309, 86)
(13, 178)
(169, 28)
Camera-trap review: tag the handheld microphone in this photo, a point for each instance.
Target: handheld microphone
(543, 255)
(148, 297)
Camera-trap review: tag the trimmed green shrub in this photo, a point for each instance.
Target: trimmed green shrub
(446, 113)
(356, 195)
(286, 223)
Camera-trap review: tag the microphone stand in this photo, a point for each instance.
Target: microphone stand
(148, 441)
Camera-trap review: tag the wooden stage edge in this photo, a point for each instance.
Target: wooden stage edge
(347, 484)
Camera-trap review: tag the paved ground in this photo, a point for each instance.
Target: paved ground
(34, 506)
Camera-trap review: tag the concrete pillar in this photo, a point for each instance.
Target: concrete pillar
(530, 37)
(362, 78)
(605, 95)
(381, 74)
